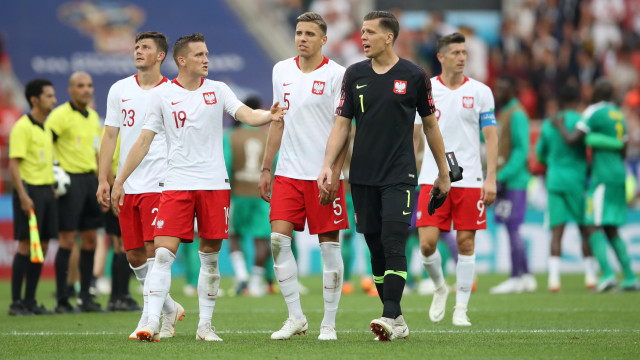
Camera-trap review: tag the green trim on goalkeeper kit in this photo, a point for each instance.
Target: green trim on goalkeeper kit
(402, 274)
(378, 279)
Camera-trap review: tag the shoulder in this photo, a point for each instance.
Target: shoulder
(411, 67)
(480, 87)
(335, 67)
(23, 123)
(359, 66)
(283, 64)
(592, 109)
(60, 110)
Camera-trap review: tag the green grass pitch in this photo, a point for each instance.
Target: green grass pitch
(571, 324)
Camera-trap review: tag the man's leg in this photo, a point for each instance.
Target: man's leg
(554, 259)
(464, 274)
(208, 285)
(432, 263)
(590, 263)
(333, 272)
(87, 258)
(66, 240)
(630, 281)
(18, 272)
(238, 263)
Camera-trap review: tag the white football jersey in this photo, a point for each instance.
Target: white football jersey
(311, 100)
(192, 121)
(459, 113)
(127, 105)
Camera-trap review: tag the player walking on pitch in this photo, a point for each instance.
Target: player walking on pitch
(189, 111)
(309, 85)
(127, 104)
(464, 107)
(383, 94)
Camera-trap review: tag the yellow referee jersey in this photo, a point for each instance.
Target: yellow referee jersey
(76, 138)
(33, 144)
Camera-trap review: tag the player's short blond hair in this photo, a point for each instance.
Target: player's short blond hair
(313, 18)
(182, 43)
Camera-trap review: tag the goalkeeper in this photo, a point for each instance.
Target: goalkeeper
(31, 169)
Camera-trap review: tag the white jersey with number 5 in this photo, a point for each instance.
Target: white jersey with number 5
(127, 105)
(461, 113)
(192, 121)
(311, 100)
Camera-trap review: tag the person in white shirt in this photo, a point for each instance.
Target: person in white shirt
(463, 107)
(309, 85)
(189, 111)
(126, 107)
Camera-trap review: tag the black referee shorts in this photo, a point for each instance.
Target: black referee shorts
(46, 209)
(79, 209)
(375, 204)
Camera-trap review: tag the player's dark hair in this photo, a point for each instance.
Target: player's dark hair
(387, 21)
(602, 90)
(313, 18)
(569, 94)
(159, 38)
(455, 38)
(253, 102)
(182, 42)
(35, 88)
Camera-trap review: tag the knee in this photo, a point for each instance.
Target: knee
(428, 248)
(466, 246)
(137, 258)
(164, 257)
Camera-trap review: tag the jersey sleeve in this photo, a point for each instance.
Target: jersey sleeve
(345, 105)
(231, 102)
(336, 86)
(425, 105)
(487, 105)
(113, 110)
(542, 146)
(153, 119)
(19, 140)
(273, 84)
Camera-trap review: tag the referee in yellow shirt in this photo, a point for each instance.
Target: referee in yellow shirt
(76, 132)
(31, 169)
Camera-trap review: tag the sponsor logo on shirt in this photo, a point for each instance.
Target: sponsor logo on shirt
(210, 98)
(399, 87)
(467, 102)
(318, 87)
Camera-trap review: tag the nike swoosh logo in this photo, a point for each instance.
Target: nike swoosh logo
(212, 294)
(406, 212)
(176, 102)
(360, 86)
(480, 222)
(285, 84)
(338, 221)
(285, 279)
(152, 292)
(125, 100)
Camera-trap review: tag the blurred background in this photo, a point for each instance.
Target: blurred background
(543, 43)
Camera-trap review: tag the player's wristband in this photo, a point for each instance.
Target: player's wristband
(263, 169)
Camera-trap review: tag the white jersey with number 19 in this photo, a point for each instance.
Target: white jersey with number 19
(192, 121)
(127, 104)
(311, 100)
(461, 113)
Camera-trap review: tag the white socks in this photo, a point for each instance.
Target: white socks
(464, 276)
(590, 267)
(554, 270)
(332, 280)
(158, 283)
(433, 265)
(239, 266)
(286, 271)
(141, 275)
(208, 284)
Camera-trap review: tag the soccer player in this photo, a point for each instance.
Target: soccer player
(76, 133)
(605, 205)
(189, 111)
(513, 177)
(31, 169)
(309, 85)
(566, 181)
(383, 93)
(464, 108)
(127, 104)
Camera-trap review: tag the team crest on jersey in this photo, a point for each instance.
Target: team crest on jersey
(399, 87)
(210, 98)
(318, 87)
(467, 102)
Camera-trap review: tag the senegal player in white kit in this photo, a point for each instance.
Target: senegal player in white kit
(127, 104)
(463, 107)
(309, 86)
(190, 112)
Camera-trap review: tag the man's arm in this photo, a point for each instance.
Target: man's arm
(489, 189)
(274, 138)
(138, 151)
(519, 147)
(107, 149)
(335, 145)
(25, 201)
(417, 138)
(336, 169)
(570, 138)
(434, 140)
(258, 117)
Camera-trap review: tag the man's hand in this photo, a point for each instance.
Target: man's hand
(324, 180)
(443, 184)
(277, 113)
(332, 187)
(104, 194)
(265, 185)
(489, 191)
(26, 204)
(117, 197)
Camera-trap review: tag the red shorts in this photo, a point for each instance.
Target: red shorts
(138, 219)
(463, 205)
(295, 200)
(178, 208)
